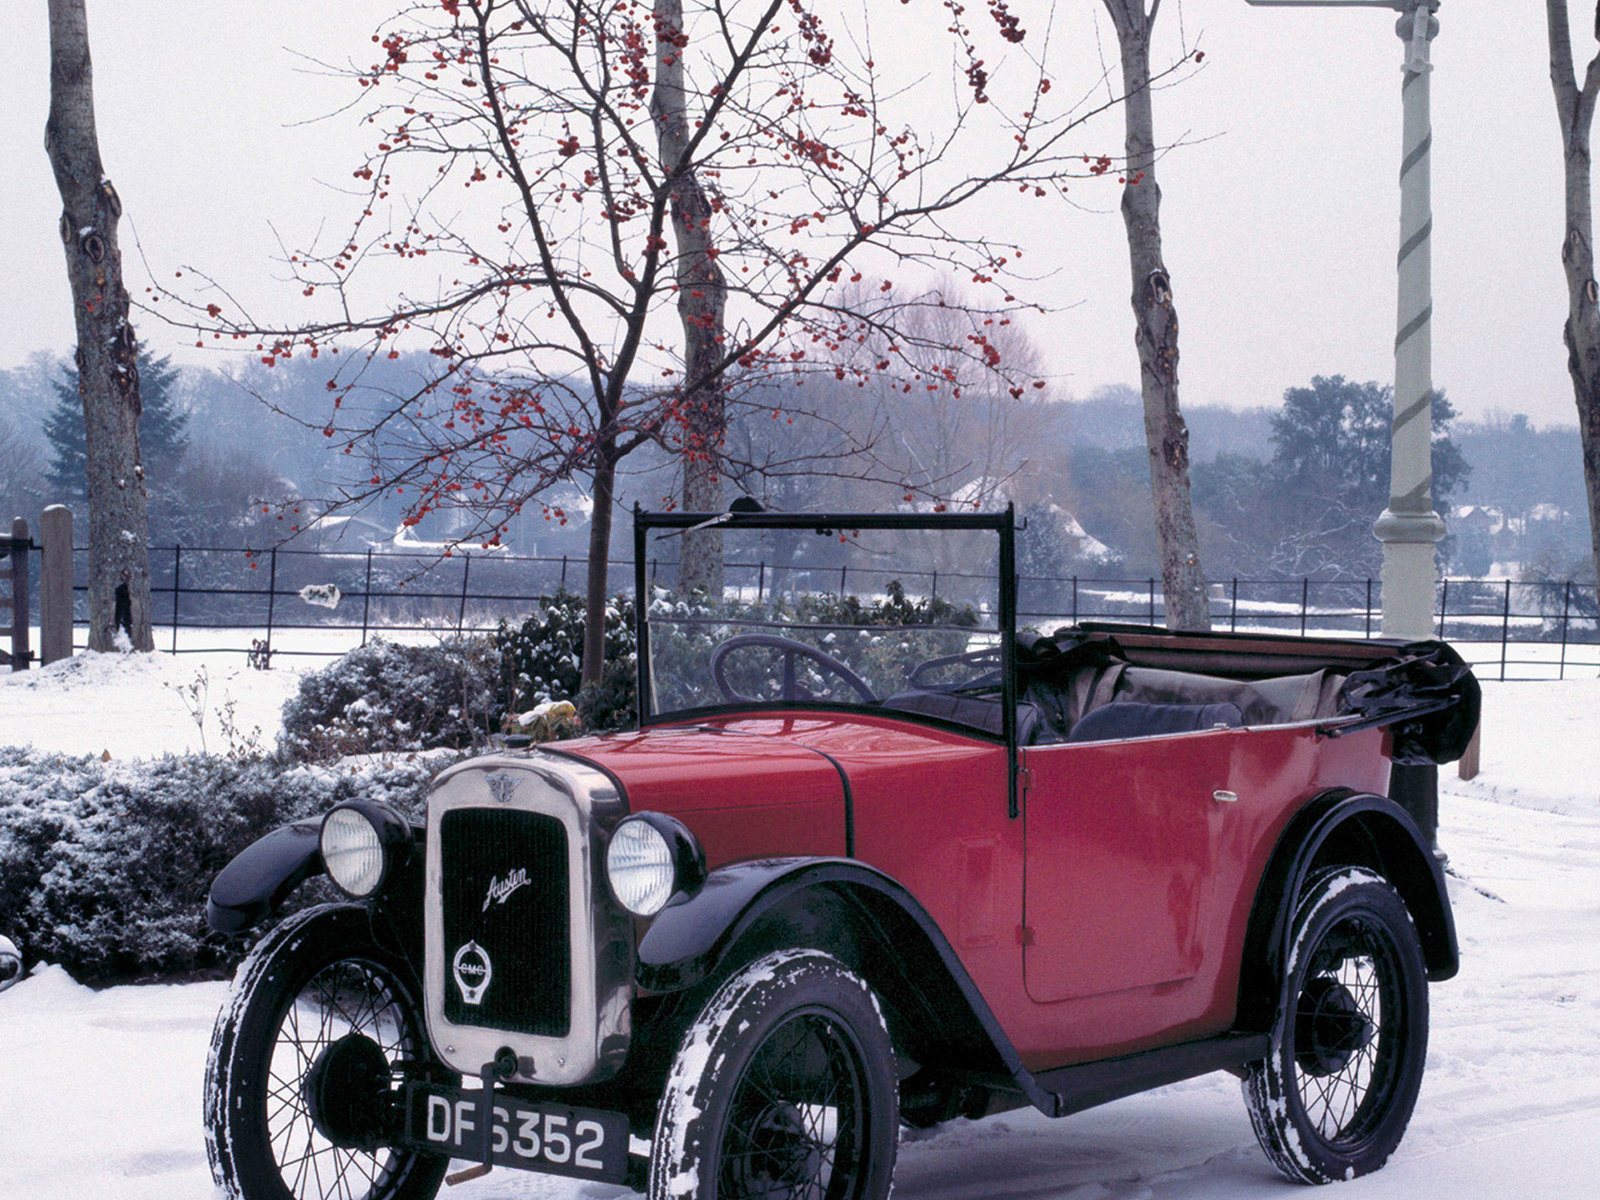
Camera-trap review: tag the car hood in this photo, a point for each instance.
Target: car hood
(799, 771)
(686, 768)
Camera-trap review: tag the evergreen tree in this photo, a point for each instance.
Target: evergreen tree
(163, 427)
(1309, 510)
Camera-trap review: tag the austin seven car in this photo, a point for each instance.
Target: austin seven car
(888, 845)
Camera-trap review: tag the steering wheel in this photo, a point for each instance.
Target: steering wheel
(792, 650)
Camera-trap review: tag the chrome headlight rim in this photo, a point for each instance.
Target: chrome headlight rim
(390, 838)
(10, 963)
(681, 854)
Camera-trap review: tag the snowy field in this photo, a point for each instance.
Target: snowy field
(100, 1091)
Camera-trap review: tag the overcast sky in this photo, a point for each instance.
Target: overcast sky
(1281, 207)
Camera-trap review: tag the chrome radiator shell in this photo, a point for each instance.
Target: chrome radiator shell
(588, 805)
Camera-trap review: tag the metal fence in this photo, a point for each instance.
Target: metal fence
(292, 603)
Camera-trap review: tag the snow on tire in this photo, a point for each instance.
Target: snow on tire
(1332, 1098)
(784, 1086)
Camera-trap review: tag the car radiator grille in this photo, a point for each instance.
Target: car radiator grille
(506, 890)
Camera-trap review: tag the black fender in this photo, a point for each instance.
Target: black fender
(262, 875)
(1342, 828)
(853, 910)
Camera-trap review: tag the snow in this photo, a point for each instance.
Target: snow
(134, 705)
(100, 1091)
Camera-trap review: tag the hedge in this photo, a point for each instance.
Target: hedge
(104, 867)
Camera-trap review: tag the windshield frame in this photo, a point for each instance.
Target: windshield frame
(1002, 524)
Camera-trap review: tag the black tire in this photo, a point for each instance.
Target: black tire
(785, 1087)
(315, 978)
(1332, 1099)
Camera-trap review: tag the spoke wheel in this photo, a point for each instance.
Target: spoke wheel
(784, 1089)
(1333, 1098)
(315, 983)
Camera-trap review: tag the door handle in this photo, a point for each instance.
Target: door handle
(1224, 797)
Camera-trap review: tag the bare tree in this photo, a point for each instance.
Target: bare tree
(1575, 108)
(1156, 327)
(521, 215)
(22, 479)
(108, 377)
(962, 429)
(702, 299)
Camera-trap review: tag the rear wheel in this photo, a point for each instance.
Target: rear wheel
(785, 1087)
(1333, 1097)
(320, 1026)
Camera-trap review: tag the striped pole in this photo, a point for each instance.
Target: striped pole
(1409, 528)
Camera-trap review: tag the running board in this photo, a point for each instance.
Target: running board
(1073, 1089)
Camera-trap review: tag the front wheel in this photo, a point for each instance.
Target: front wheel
(785, 1087)
(320, 1025)
(1334, 1095)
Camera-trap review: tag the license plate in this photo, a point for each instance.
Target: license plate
(554, 1138)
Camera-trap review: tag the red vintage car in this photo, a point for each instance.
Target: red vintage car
(879, 851)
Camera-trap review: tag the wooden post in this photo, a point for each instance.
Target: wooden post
(55, 583)
(21, 655)
(1467, 768)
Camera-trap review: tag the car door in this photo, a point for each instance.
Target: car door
(1122, 840)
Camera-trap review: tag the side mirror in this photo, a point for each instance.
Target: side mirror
(10, 963)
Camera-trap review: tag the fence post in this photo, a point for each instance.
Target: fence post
(1444, 605)
(272, 596)
(761, 581)
(1566, 611)
(1305, 601)
(563, 573)
(366, 598)
(1152, 600)
(55, 583)
(466, 571)
(1369, 607)
(1233, 614)
(936, 583)
(1074, 599)
(1505, 630)
(842, 571)
(177, 590)
(21, 624)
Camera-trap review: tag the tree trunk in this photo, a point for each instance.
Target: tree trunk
(1156, 335)
(108, 376)
(594, 597)
(1575, 107)
(702, 302)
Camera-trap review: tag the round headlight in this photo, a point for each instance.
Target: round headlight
(352, 850)
(651, 858)
(10, 963)
(639, 864)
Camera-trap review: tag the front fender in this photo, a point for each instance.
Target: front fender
(844, 906)
(262, 875)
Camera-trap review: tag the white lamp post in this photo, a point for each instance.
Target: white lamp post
(1409, 528)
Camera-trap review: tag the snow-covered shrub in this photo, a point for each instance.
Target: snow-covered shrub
(386, 696)
(542, 659)
(104, 867)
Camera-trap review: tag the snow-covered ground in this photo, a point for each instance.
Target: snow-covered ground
(100, 1091)
(141, 705)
